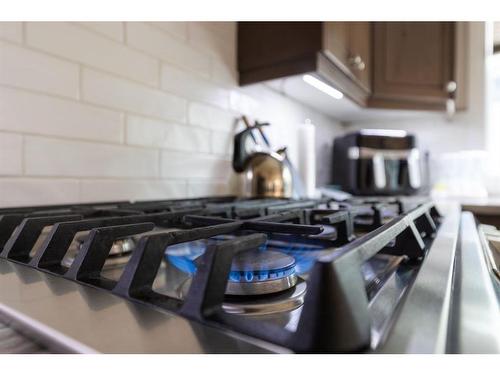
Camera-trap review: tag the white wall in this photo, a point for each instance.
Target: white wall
(493, 93)
(466, 130)
(107, 111)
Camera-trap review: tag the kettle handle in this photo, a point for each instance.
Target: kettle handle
(240, 154)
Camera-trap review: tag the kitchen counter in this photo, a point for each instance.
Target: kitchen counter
(486, 205)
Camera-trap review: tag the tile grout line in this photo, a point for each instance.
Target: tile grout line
(23, 31)
(49, 178)
(80, 83)
(23, 155)
(125, 34)
(131, 146)
(125, 124)
(86, 28)
(160, 164)
(79, 189)
(168, 33)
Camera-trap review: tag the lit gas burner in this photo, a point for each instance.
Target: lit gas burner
(258, 272)
(253, 272)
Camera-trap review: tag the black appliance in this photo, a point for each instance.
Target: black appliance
(377, 162)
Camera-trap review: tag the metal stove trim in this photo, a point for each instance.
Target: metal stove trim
(422, 325)
(473, 332)
(49, 337)
(95, 318)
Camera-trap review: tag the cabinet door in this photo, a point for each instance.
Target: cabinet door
(336, 41)
(360, 51)
(348, 45)
(413, 64)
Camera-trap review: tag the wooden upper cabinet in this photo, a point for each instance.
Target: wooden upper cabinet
(393, 65)
(269, 50)
(413, 65)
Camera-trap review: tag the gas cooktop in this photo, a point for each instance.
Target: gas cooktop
(226, 274)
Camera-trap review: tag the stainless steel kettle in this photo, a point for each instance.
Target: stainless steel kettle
(265, 173)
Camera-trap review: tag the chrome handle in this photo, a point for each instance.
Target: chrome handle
(379, 171)
(357, 62)
(414, 169)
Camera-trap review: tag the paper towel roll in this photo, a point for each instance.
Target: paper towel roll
(307, 157)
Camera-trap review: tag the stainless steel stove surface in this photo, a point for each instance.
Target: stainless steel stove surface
(233, 275)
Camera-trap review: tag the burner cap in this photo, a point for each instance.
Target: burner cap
(256, 272)
(268, 304)
(258, 265)
(255, 288)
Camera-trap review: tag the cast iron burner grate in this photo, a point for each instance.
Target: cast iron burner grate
(334, 315)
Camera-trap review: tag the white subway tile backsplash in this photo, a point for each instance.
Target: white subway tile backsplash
(224, 74)
(152, 133)
(200, 188)
(103, 89)
(112, 190)
(243, 103)
(189, 86)
(76, 43)
(189, 165)
(96, 111)
(207, 37)
(224, 30)
(168, 48)
(211, 118)
(32, 70)
(222, 143)
(26, 191)
(179, 29)
(52, 157)
(12, 31)
(114, 30)
(11, 154)
(218, 39)
(38, 114)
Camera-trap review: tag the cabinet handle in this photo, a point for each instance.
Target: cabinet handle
(357, 62)
(451, 88)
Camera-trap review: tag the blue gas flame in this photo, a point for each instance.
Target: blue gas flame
(183, 256)
(304, 253)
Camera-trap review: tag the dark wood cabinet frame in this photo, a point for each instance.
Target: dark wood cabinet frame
(271, 50)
